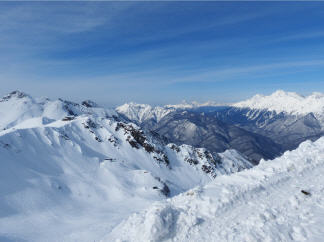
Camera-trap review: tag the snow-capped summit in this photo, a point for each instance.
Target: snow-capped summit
(143, 112)
(89, 104)
(289, 102)
(14, 94)
(18, 107)
(188, 105)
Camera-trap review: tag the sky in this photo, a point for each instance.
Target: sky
(161, 52)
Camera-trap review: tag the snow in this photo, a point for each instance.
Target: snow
(289, 102)
(17, 107)
(265, 203)
(72, 172)
(193, 104)
(142, 112)
(279, 101)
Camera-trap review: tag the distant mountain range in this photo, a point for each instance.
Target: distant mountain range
(260, 127)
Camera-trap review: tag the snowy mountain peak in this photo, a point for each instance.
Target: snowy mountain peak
(143, 112)
(19, 108)
(15, 94)
(289, 102)
(188, 105)
(89, 104)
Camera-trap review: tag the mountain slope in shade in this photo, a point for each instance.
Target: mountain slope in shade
(71, 172)
(286, 130)
(260, 127)
(207, 130)
(278, 200)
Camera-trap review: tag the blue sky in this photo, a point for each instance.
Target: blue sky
(161, 52)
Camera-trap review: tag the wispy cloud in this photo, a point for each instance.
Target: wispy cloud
(192, 28)
(56, 18)
(226, 73)
(301, 36)
(150, 47)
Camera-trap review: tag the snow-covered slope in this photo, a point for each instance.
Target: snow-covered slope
(289, 102)
(278, 200)
(17, 107)
(71, 172)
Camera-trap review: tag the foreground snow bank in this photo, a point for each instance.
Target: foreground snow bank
(279, 200)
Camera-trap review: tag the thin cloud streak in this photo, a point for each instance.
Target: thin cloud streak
(301, 36)
(225, 73)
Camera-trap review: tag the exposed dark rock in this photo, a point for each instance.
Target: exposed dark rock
(165, 190)
(17, 94)
(166, 159)
(114, 140)
(306, 192)
(207, 169)
(68, 118)
(64, 136)
(192, 161)
(89, 104)
(175, 148)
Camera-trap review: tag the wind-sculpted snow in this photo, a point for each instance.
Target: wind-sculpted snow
(278, 200)
(72, 172)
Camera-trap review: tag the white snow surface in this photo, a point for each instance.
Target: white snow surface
(69, 172)
(279, 101)
(77, 177)
(265, 203)
(18, 107)
(289, 102)
(143, 112)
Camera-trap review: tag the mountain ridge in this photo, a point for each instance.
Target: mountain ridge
(286, 118)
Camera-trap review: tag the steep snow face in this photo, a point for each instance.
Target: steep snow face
(288, 102)
(143, 112)
(278, 200)
(72, 172)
